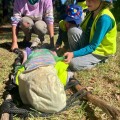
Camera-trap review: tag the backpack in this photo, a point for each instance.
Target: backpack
(42, 89)
(39, 84)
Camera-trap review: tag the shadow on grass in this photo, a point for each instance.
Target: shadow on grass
(21, 44)
(90, 113)
(6, 28)
(8, 35)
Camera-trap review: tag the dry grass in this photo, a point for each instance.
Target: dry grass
(103, 79)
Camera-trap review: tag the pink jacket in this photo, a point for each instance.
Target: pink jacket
(42, 10)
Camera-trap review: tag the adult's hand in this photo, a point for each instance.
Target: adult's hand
(68, 56)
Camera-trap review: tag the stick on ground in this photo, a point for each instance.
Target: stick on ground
(112, 112)
(5, 116)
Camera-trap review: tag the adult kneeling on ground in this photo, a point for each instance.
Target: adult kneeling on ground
(33, 16)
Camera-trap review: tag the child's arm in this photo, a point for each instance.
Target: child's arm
(59, 40)
(104, 24)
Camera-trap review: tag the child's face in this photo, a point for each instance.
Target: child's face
(92, 4)
(67, 25)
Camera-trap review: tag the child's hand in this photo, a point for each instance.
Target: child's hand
(68, 57)
(53, 52)
(57, 47)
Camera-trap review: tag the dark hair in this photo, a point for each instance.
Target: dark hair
(73, 22)
(80, 0)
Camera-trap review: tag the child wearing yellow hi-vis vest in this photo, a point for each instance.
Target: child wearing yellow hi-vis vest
(98, 39)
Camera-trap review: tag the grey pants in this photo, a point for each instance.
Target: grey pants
(76, 41)
(38, 27)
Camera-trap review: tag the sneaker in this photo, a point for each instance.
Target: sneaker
(35, 42)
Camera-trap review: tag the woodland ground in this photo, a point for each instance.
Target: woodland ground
(104, 80)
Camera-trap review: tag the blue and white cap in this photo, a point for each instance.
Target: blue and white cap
(74, 13)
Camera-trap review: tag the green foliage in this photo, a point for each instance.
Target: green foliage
(116, 14)
(116, 10)
(6, 11)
